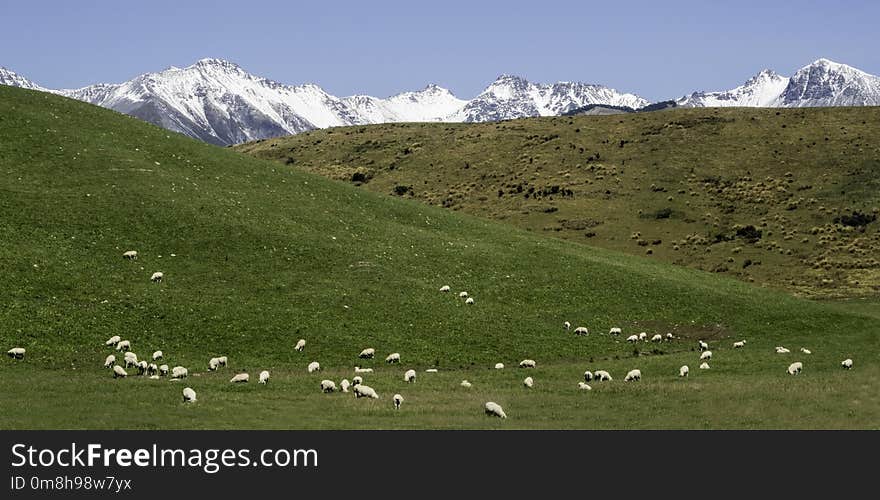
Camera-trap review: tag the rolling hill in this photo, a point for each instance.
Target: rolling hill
(787, 198)
(257, 255)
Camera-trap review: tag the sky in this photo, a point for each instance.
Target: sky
(656, 49)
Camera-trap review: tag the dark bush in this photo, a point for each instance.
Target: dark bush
(749, 233)
(857, 219)
(402, 190)
(358, 177)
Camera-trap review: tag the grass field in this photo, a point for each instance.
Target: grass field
(257, 255)
(680, 186)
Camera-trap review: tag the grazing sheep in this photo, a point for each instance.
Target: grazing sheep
(669, 336)
(119, 371)
(394, 357)
(130, 359)
(581, 330)
(683, 371)
(602, 376)
(163, 370)
(142, 367)
(470, 300)
(314, 366)
(704, 366)
(157, 276)
(527, 363)
(409, 376)
(358, 369)
(240, 378)
(213, 364)
(588, 376)
(300, 345)
(330, 386)
(157, 355)
(179, 372)
(847, 364)
(643, 336)
(431, 370)
(365, 391)
(465, 383)
(495, 410)
(445, 288)
(632, 338)
(499, 366)
(113, 340)
(222, 361)
(703, 345)
(615, 331)
(367, 353)
(131, 254)
(110, 361)
(529, 382)
(123, 345)
(739, 345)
(805, 350)
(344, 385)
(462, 295)
(795, 368)
(706, 355)
(189, 395)
(781, 350)
(357, 381)
(657, 338)
(584, 387)
(152, 370)
(567, 326)
(397, 400)
(264, 377)
(633, 375)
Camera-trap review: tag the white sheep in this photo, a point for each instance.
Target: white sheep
(602, 376)
(110, 361)
(264, 377)
(358, 369)
(157, 276)
(445, 288)
(567, 326)
(123, 345)
(157, 355)
(367, 353)
(130, 359)
(469, 301)
(499, 366)
(703, 345)
(657, 338)
(113, 340)
(669, 336)
(781, 350)
(581, 330)
(300, 345)
(706, 355)
(240, 378)
(588, 376)
(527, 363)
(394, 357)
(330, 386)
(189, 395)
(584, 387)
(314, 366)
(632, 338)
(409, 376)
(119, 371)
(805, 350)
(643, 336)
(142, 367)
(795, 368)
(704, 366)
(344, 385)
(179, 372)
(847, 363)
(462, 295)
(357, 381)
(397, 400)
(365, 391)
(615, 331)
(431, 370)
(130, 254)
(222, 361)
(163, 370)
(633, 375)
(495, 409)
(739, 345)
(529, 382)
(683, 371)
(153, 370)
(213, 364)
(466, 384)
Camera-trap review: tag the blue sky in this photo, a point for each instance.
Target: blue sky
(656, 49)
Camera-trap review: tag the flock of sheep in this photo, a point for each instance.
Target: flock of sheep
(360, 390)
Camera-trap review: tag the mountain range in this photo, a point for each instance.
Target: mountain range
(218, 102)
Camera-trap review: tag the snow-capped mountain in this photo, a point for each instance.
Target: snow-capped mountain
(13, 79)
(514, 97)
(821, 83)
(433, 103)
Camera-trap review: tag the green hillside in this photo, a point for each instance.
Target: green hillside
(681, 186)
(257, 255)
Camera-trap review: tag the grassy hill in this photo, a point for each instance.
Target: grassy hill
(257, 255)
(786, 198)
